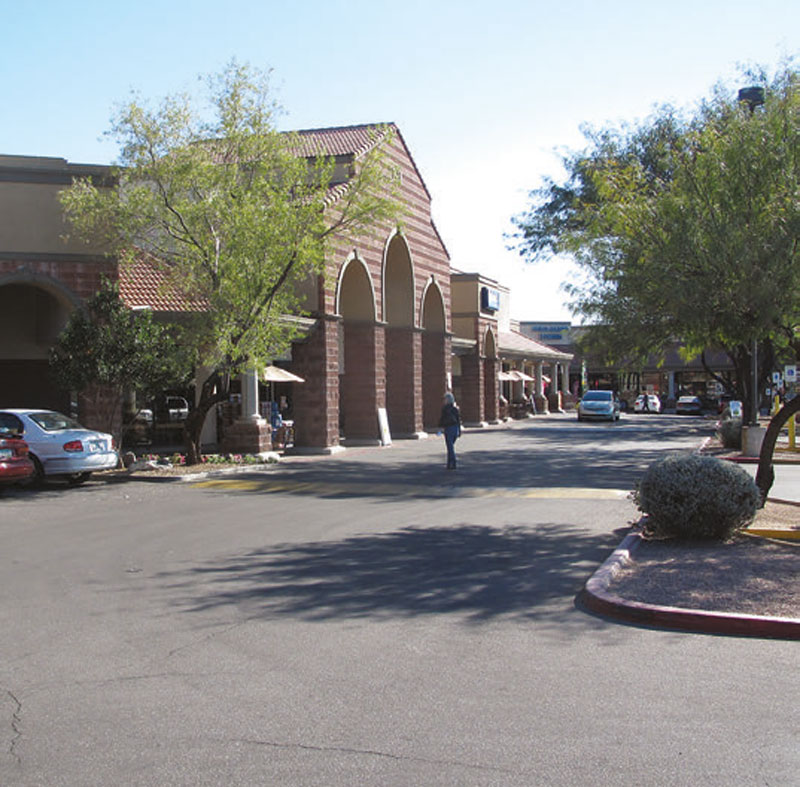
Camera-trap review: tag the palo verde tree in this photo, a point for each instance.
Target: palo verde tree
(685, 227)
(106, 351)
(234, 213)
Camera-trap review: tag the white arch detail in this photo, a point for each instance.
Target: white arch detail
(428, 284)
(353, 258)
(397, 232)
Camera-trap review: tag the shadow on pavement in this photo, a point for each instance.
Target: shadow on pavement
(477, 572)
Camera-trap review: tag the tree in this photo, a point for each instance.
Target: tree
(107, 351)
(235, 213)
(686, 227)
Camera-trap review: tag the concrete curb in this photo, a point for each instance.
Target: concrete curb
(596, 597)
(186, 477)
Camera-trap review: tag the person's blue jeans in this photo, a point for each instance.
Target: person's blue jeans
(450, 435)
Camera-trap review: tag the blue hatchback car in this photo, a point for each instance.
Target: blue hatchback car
(600, 405)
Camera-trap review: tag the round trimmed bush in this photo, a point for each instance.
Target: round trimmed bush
(696, 497)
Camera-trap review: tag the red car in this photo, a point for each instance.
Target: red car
(15, 464)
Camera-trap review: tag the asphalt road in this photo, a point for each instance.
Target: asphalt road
(371, 619)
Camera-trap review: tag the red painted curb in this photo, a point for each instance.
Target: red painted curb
(596, 597)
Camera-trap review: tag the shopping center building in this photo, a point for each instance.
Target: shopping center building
(388, 329)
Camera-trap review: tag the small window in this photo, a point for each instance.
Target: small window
(11, 424)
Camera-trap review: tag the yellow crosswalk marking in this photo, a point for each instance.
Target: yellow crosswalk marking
(409, 490)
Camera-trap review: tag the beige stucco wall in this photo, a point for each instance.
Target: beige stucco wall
(31, 218)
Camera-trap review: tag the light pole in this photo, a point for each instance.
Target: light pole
(753, 97)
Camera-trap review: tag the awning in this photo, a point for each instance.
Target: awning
(513, 376)
(274, 374)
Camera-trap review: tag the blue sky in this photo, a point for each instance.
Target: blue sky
(483, 92)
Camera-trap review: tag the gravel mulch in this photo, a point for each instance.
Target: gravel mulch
(748, 575)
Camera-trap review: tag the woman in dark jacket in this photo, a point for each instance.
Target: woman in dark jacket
(450, 424)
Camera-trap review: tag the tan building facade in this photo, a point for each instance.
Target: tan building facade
(388, 329)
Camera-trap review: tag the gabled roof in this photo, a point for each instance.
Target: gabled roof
(143, 285)
(342, 140)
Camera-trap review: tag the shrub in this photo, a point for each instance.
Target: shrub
(730, 433)
(696, 497)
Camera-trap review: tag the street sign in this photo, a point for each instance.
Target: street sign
(790, 373)
(776, 378)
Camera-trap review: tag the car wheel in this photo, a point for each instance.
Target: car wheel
(78, 478)
(37, 479)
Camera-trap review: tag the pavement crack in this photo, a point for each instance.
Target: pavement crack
(16, 726)
(376, 753)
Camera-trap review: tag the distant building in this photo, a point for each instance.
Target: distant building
(668, 378)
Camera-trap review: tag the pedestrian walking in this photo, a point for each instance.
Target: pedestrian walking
(450, 424)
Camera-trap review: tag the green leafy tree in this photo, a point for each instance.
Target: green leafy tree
(685, 228)
(235, 213)
(106, 351)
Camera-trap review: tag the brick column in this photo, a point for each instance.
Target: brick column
(403, 381)
(472, 390)
(250, 433)
(491, 386)
(316, 401)
(364, 380)
(435, 365)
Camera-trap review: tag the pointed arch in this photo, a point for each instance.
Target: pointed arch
(489, 348)
(355, 291)
(433, 317)
(398, 281)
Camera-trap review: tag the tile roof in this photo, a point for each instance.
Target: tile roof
(342, 140)
(142, 285)
(517, 344)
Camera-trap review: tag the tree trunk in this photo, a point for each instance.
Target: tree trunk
(765, 475)
(215, 389)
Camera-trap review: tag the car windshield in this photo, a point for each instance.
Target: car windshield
(597, 396)
(53, 422)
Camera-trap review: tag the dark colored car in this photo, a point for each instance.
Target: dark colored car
(15, 463)
(689, 405)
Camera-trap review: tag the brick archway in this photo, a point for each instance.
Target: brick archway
(491, 386)
(403, 341)
(361, 355)
(435, 354)
(38, 307)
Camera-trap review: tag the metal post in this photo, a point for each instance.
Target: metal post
(755, 384)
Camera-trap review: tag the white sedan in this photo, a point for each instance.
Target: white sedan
(647, 403)
(59, 446)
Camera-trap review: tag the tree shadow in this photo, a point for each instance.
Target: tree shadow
(475, 572)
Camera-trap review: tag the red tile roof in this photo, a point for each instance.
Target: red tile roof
(142, 285)
(342, 140)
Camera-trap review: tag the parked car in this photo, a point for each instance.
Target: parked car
(171, 409)
(653, 404)
(15, 463)
(603, 405)
(58, 445)
(689, 405)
